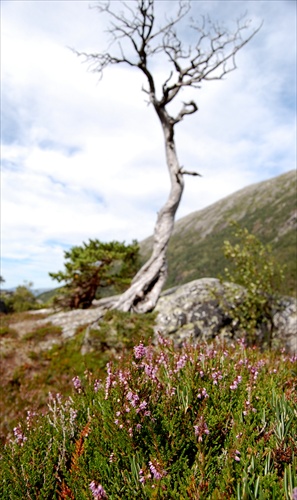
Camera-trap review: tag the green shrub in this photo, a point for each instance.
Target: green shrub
(21, 300)
(254, 268)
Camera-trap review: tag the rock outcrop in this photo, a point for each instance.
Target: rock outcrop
(193, 311)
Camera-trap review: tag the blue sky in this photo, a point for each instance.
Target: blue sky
(83, 158)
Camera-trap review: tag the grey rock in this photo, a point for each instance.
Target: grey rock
(192, 311)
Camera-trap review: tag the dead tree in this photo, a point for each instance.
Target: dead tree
(136, 38)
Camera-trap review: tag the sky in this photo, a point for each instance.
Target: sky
(84, 158)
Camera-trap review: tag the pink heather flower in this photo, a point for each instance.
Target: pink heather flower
(133, 398)
(216, 376)
(97, 385)
(236, 382)
(162, 359)
(156, 470)
(138, 427)
(109, 380)
(141, 477)
(164, 341)
(203, 394)
(201, 429)
(236, 455)
(97, 491)
(294, 494)
(139, 351)
(77, 384)
(20, 437)
(181, 363)
(151, 371)
(72, 415)
(111, 458)
(142, 406)
(30, 417)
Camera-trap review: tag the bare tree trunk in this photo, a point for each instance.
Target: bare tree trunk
(146, 286)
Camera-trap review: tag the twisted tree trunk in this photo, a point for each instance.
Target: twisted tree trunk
(146, 286)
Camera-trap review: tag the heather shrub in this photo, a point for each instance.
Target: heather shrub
(206, 421)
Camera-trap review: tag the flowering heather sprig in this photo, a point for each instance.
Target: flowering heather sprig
(156, 470)
(98, 491)
(20, 437)
(248, 407)
(163, 360)
(216, 376)
(109, 378)
(166, 342)
(124, 377)
(77, 384)
(72, 416)
(30, 417)
(142, 406)
(254, 370)
(235, 383)
(294, 494)
(201, 429)
(139, 351)
(151, 371)
(97, 385)
(202, 394)
(236, 455)
(133, 398)
(181, 363)
(141, 476)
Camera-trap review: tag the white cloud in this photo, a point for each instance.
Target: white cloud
(85, 159)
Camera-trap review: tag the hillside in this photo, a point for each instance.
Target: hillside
(267, 209)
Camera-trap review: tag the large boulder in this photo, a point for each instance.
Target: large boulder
(193, 311)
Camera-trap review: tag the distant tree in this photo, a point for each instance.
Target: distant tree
(136, 39)
(93, 266)
(2, 280)
(22, 299)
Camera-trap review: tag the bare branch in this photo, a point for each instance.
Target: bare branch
(188, 109)
(188, 172)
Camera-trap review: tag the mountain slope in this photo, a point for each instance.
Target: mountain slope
(267, 209)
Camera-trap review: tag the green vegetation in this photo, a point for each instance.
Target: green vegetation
(132, 416)
(28, 373)
(207, 422)
(94, 266)
(22, 299)
(42, 333)
(254, 268)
